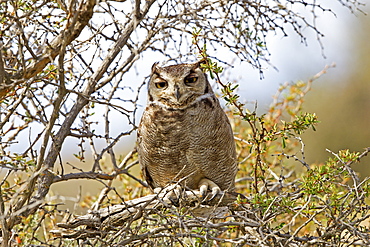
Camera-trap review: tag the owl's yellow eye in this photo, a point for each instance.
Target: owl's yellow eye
(161, 84)
(190, 80)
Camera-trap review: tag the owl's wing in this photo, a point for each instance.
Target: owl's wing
(142, 158)
(147, 177)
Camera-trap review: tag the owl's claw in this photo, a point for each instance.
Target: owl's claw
(206, 184)
(171, 193)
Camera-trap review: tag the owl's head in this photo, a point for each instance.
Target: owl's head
(178, 85)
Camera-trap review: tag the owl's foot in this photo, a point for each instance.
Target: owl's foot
(170, 193)
(206, 184)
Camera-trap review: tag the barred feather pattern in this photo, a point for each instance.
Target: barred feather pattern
(185, 135)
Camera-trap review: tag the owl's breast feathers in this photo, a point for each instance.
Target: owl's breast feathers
(194, 141)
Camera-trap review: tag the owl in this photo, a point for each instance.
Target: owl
(184, 135)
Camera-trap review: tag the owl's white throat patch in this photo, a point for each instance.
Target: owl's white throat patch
(202, 97)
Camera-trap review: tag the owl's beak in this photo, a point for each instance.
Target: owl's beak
(177, 93)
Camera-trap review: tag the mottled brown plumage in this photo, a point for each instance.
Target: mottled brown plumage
(184, 133)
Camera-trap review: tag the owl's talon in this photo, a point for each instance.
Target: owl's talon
(214, 193)
(203, 190)
(206, 184)
(174, 201)
(171, 193)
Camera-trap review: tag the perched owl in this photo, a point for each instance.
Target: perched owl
(184, 135)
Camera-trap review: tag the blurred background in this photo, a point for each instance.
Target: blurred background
(340, 98)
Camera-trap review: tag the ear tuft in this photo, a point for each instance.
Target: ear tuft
(155, 67)
(199, 63)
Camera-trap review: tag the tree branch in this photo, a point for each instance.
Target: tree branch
(72, 31)
(107, 218)
(47, 178)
